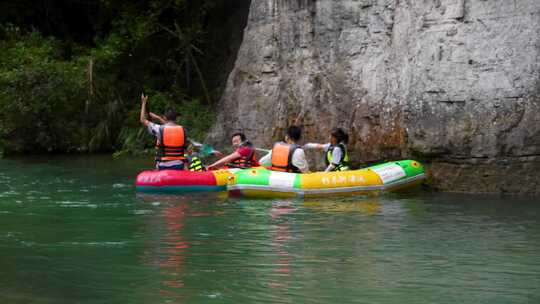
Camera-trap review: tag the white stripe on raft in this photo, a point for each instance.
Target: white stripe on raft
(281, 179)
(302, 192)
(390, 173)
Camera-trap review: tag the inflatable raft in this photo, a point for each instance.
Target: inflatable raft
(260, 182)
(177, 181)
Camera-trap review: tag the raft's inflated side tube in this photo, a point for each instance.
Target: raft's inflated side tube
(179, 181)
(384, 177)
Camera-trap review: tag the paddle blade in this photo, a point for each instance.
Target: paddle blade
(206, 150)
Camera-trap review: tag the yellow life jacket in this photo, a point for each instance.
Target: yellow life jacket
(344, 163)
(196, 164)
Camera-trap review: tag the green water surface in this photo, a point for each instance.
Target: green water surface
(73, 230)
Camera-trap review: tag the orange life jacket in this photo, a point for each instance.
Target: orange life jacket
(171, 143)
(245, 161)
(282, 157)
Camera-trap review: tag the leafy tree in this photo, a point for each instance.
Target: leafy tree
(72, 71)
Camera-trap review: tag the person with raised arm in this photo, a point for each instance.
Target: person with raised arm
(171, 139)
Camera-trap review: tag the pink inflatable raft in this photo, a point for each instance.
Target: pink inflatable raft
(179, 181)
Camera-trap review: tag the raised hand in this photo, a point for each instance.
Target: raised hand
(144, 98)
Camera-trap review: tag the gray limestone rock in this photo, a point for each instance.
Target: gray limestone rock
(452, 83)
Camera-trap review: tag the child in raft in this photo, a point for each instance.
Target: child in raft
(336, 156)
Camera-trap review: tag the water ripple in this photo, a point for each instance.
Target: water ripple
(78, 233)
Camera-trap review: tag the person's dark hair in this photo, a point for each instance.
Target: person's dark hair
(294, 133)
(170, 114)
(340, 135)
(242, 136)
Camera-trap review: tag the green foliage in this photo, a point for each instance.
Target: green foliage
(68, 87)
(42, 96)
(197, 118)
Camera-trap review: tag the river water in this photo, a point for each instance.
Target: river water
(73, 230)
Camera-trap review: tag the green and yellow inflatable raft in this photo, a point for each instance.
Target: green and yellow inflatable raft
(391, 176)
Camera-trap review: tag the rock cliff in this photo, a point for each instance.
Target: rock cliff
(452, 83)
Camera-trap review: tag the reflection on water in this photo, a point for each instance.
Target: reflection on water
(280, 235)
(168, 249)
(71, 232)
(362, 205)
